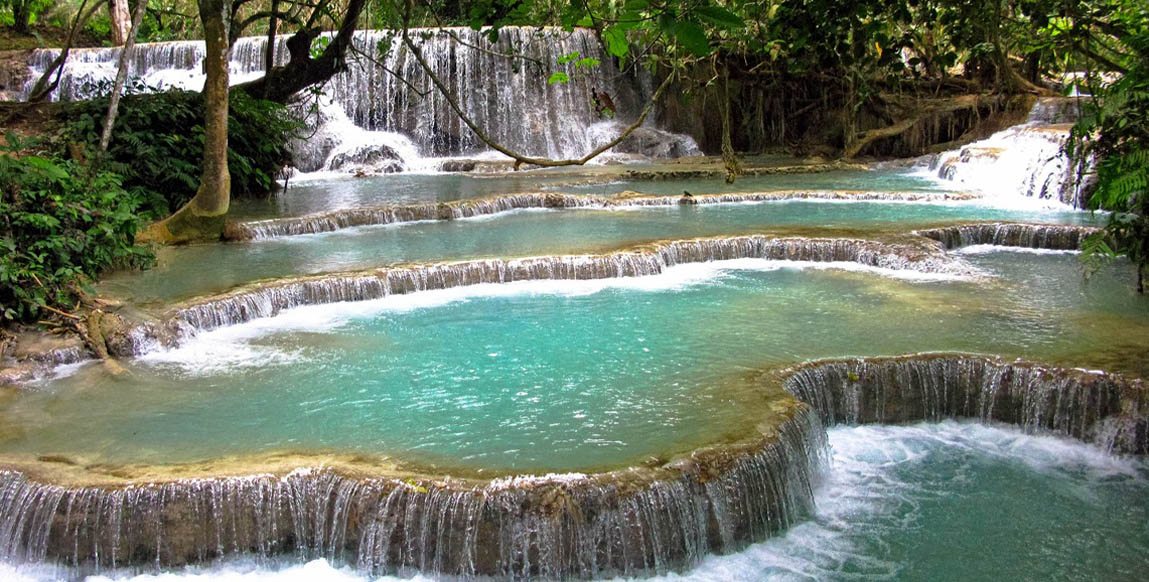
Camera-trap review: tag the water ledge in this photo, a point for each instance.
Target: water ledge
(633, 521)
(395, 214)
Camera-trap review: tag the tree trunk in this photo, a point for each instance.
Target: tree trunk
(121, 21)
(121, 76)
(21, 15)
(203, 217)
(269, 57)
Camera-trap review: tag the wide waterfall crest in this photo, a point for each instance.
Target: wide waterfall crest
(1103, 409)
(629, 523)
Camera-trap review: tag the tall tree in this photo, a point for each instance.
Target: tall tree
(121, 76)
(202, 218)
(121, 22)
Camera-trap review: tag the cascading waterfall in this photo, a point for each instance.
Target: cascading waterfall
(1034, 236)
(378, 215)
(508, 96)
(1025, 160)
(634, 522)
(268, 299)
(162, 65)
(1093, 407)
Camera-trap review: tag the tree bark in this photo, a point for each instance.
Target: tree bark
(121, 76)
(121, 21)
(21, 15)
(269, 58)
(203, 217)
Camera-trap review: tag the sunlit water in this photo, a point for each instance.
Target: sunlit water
(326, 192)
(949, 501)
(189, 271)
(564, 375)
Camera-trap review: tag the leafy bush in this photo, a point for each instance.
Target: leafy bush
(1114, 128)
(59, 228)
(157, 144)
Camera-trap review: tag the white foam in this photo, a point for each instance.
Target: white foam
(865, 495)
(249, 571)
(234, 348)
(990, 249)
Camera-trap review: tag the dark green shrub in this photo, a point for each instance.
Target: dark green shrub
(157, 144)
(59, 228)
(1114, 129)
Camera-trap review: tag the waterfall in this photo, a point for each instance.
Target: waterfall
(1093, 407)
(634, 522)
(1034, 236)
(1022, 161)
(39, 364)
(268, 299)
(511, 98)
(376, 215)
(160, 66)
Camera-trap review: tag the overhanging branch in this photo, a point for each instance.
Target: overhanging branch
(519, 158)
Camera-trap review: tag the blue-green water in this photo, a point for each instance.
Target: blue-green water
(189, 271)
(931, 503)
(564, 375)
(958, 501)
(874, 180)
(318, 195)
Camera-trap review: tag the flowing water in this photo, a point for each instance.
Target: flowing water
(567, 375)
(510, 97)
(322, 193)
(189, 271)
(907, 503)
(592, 363)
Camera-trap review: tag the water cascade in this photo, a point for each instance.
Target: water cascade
(268, 299)
(1034, 236)
(509, 97)
(1025, 160)
(392, 214)
(1093, 407)
(633, 522)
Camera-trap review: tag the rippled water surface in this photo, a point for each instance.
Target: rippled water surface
(565, 375)
(949, 501)
(322, 194)
(188, 271)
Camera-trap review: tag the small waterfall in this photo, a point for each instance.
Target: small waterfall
(511, 98)
(1094, 407)
(634, 522)
(1054, 110)
(333, 142)
(378, 215)
(268, 299)
(1025, 160)
(1034, 236)
(40, 364)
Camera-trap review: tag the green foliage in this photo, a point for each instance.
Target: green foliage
(59, 227)
(20, 13)
(1114, 131)
(157, 144)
